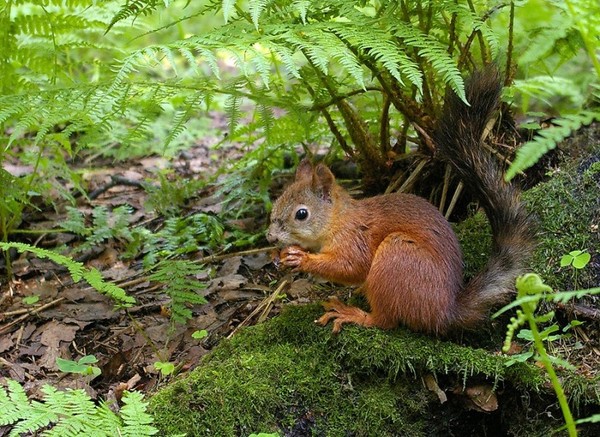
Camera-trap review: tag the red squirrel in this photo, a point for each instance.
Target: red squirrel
(399, 247)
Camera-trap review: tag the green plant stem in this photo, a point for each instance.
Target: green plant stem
(38, 231)
(541, 350)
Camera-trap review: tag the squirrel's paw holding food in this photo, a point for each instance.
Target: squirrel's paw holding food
(292, 256)
(341, 313)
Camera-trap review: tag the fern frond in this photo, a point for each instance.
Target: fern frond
(547, 139)
(228, 7)
(14, 404)
(377, 44)
(177, 275)
(137, 421)
(316, 54)
(435, 53)
(72, 413)
(190, 107)
(340, 52)
(77, 271)
(232, 109)
(256, 8)
(133, 8)
(301, 6)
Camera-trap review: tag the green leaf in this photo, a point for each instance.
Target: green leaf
(165, 368)
(198, 335)
(566, 260)
(88, 359)
(228, 6)
(30, 300)
(582, 260)
(547, 139)
(531, 283)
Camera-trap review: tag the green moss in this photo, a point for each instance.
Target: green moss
(475, 237)
(568, 209)
(289, 374)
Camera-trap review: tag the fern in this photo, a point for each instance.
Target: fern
(72, 413)
(547, 139)
(181, 287)
(77, 271)
(82, 74)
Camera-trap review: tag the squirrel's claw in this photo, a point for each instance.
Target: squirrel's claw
(341, 313)
(292, 256)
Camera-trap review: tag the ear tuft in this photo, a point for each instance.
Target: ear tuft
(304, 170)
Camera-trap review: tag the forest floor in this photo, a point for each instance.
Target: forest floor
(45, 315)
(70, 320)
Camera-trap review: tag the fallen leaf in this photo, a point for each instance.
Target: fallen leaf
(479, 397)
(54, 332)
(230, 266)
(300, 288)
(433, 386)
(257, 261)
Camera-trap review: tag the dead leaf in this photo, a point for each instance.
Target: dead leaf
(257, 261)
(106, 259)
(6, 343)
(230, 266)
(300, 288)
(433, 386)
(479, 397)
(83, 311)
(231, 282)
(54, 332)
(238, 295)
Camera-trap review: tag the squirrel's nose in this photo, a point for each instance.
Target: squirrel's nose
(271, 238)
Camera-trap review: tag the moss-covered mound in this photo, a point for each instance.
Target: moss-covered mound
(291, 376)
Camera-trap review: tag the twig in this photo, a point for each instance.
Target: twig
(409, 181)
(8, 293)
(204, 260)
(213, 258)
(9, 325)
(428, 141)
(585, 337)
(337, 98)
(455, 197)
(445, 188)
(114, 181)
(264, 306)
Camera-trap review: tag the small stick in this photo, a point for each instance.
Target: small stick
(445, 187)
(409, 181)
(455, 197)
(206, 259)
(6, 327)
(265, 306)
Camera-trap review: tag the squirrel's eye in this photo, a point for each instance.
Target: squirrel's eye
(302, 214)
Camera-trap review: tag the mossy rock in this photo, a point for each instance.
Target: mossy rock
(289, 375)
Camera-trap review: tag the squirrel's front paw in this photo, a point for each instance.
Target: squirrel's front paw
(292, 256)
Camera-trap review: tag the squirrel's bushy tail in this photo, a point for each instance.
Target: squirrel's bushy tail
(459, 141)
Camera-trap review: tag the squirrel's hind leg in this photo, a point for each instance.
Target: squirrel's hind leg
(341, 313)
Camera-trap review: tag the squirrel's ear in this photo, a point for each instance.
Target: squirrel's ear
(304, 170)
(323, 181)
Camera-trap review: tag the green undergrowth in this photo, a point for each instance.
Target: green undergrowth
(567, 206)
(292, 376)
